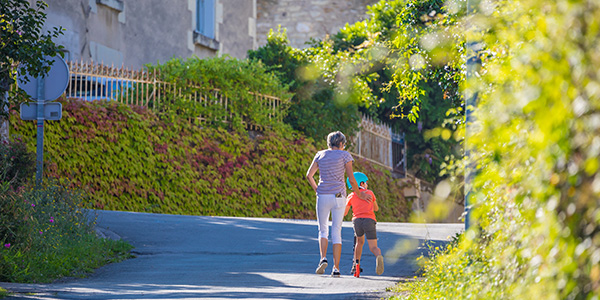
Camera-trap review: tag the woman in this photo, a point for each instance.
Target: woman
(331, 195)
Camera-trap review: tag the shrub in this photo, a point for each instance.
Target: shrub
(316, 109)
(238, 82)
(17, 164)
(534, 148)
(128, 158)
(46, 233)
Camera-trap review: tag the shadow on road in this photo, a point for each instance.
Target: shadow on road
(201, 257)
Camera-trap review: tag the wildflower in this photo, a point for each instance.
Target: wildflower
(51, 219)
(7, 245)
(41, 232)
(32, 205)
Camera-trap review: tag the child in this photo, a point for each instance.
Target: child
(363, 219)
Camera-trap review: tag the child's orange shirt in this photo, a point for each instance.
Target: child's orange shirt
(361, 208)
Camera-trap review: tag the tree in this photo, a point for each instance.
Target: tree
(320, 104)
(24, 46)
(404, 60)
(407, 61)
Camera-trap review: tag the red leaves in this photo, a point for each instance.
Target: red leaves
(161, 148)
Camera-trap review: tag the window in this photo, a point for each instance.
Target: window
(205, 18)
(117, 5)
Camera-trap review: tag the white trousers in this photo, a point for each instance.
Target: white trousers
(327, 203)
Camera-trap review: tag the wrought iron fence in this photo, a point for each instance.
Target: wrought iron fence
(377, 143)
(90, 81)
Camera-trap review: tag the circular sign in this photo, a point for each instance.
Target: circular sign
(55, 82)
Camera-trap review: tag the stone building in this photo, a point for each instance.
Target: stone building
(306, 19)
(136, 32)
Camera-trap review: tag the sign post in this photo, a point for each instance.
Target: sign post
(46, 88)
(40, 130)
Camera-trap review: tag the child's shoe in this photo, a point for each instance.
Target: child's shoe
(353, 270)
(379, 267)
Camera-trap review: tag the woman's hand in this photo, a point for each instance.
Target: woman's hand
(365, 196)
(361, 195)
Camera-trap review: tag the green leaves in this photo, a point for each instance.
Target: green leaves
(535, 196)
(47, 234)
(230, 92)
(323, 102)
(23, 44)
(143, 162)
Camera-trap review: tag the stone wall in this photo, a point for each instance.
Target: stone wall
(305, 19)
(135, 33)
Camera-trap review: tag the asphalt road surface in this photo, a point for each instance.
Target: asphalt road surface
(201, 257)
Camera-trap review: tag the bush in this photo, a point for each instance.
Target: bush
(316, 109)
(238, 82)
(534, 148)
(134, 160)
(17, 164)
(46, 234)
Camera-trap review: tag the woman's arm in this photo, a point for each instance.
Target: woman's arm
(310, 175)
(362, 195)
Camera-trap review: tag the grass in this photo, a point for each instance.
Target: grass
(440, 267)
(46, 234)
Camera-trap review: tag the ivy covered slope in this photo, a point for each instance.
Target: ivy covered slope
(128, 158)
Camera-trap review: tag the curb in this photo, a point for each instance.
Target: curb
(107, 234)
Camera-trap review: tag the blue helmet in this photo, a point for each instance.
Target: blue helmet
(360, 177)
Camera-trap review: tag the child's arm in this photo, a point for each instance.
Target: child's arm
(347, 204)
(375, 206)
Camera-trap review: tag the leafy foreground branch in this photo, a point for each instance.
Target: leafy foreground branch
(45, 234)
(535, 148)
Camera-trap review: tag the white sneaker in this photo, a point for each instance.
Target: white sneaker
(335, 273)
(379, 267)
(322, 265)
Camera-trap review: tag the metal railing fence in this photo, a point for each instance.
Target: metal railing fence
(375, 142)
(90, 81)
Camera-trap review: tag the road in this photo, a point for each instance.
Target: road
(203, 257)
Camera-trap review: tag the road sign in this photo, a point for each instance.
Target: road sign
(52, 111)
(55, 82)
(46, 88)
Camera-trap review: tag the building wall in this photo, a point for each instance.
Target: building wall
(305, 19)
(135, 33)
(237, 32)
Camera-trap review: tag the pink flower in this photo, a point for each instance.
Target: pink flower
(32, 205)
(7, 245)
